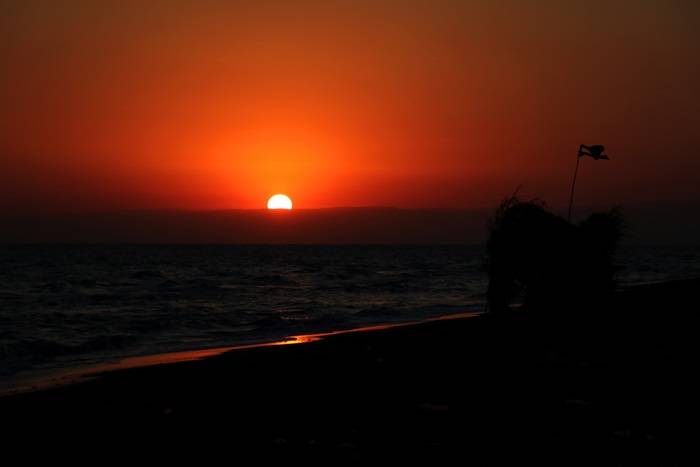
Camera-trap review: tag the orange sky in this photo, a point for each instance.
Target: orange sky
(219, 104)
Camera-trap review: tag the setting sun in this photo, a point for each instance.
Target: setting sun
(279, 202)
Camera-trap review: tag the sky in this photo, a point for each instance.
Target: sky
(205, 105)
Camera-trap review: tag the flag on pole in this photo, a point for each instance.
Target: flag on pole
(595, 151)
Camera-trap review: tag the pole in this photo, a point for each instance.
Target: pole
(573, 186)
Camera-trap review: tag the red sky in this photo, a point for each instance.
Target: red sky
(219, 104)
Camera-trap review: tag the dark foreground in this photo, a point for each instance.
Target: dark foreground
(615, 386)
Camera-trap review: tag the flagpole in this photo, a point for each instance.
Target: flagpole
(573, 186)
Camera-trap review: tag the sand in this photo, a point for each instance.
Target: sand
(610, 385)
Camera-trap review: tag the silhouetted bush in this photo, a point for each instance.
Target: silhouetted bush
(543, 261)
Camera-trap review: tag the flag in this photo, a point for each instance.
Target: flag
(595, 151)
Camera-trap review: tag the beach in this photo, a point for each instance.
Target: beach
(614, 385)
(350, 233)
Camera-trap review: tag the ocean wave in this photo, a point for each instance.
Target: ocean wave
(66, 304)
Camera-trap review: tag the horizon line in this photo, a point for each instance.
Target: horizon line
(49, 212)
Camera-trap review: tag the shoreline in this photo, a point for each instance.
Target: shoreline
(35, 381)
(613, 385)
(42, 380)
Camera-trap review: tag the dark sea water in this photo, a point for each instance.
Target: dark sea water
(67, 306)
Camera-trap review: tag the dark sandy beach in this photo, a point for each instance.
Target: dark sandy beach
(615, 385)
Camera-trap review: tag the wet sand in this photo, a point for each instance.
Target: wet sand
(51, 379)
(615, 385)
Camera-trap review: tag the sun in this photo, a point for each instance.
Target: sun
(279, 202)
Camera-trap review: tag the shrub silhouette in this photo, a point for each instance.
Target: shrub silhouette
(542, 260)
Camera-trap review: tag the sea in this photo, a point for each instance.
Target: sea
(69, 306)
